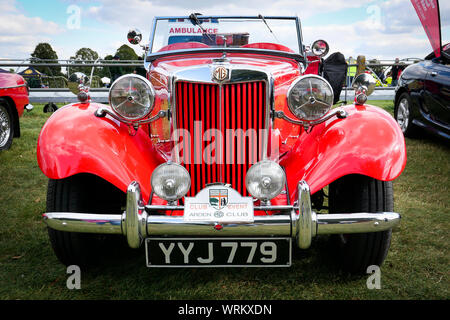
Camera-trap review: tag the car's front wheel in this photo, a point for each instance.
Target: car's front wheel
(6, 127)
(357, 193)
(403, 115)
(83, 194)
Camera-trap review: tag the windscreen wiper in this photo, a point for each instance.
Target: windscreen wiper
(265, 22)
(194, 19)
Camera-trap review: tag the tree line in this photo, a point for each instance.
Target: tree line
(44, 51)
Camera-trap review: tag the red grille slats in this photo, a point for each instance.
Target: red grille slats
(222, 117)
(208, 133)
(239, 145)
(228, 95)
(213, 167)
(230, 106)
(261, 119)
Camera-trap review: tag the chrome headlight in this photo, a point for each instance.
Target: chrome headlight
(310, 97)
(170, 181)
(265, 180)
(132, 97)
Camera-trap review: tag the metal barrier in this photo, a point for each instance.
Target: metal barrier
(63, 95)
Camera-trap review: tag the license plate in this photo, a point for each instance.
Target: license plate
(218, 252)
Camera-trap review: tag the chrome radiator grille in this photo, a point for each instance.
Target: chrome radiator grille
(220, 131)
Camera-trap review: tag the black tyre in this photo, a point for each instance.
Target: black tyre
(6, 126)
(50, 107)
(84, 194)
(403, 114)
(357, 193)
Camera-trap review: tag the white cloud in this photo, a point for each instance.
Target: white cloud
(19, 34)
(397, 32)
(361, 39)
(141, 13)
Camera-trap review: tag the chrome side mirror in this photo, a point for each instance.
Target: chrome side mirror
(320, 48)
(134, 36)
(78, 83)
(364, 85)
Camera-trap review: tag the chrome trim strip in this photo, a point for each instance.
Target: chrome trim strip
(13, 87)
(274, 225)
(227, 17)
(300, 39)
(276, 53)
(173, 137)
(174, 127)
(356, 222)
(152, 207)
(84, 222)
(221, 129)
(305, 224)
(150, 44)
(135, 217)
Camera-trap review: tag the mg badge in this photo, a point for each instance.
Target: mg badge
(218, 214)
(218, 198)
(220, 73)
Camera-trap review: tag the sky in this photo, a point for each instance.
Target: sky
(383, 29)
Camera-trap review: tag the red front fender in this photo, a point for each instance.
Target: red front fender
(367, 142)
(74, 140)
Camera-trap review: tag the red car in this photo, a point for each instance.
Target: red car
(13, 101)
(227, 154)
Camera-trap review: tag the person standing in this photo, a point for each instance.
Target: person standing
(116, 72)
(396, 71)
(351, 71)
(141, 70)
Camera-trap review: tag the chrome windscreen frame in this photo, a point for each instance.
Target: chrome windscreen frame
(300, 56)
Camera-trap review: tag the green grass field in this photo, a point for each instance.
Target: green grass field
(417, 266)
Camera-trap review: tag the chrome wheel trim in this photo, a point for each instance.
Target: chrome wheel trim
(5, 126)
(403, 114)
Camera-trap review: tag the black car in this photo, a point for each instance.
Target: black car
(422, 96)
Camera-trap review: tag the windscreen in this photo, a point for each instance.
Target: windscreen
(258, 33)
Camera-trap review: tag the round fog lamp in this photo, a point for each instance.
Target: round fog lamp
(265, 180)
(170, 181)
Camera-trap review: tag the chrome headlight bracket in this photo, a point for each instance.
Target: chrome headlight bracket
(103, 111)
(339, 113)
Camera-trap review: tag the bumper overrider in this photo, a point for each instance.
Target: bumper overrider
(297, 221)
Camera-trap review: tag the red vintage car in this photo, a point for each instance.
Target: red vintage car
(13, 102)
(228, 153)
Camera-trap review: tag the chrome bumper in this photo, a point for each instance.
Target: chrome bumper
(299, 222)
